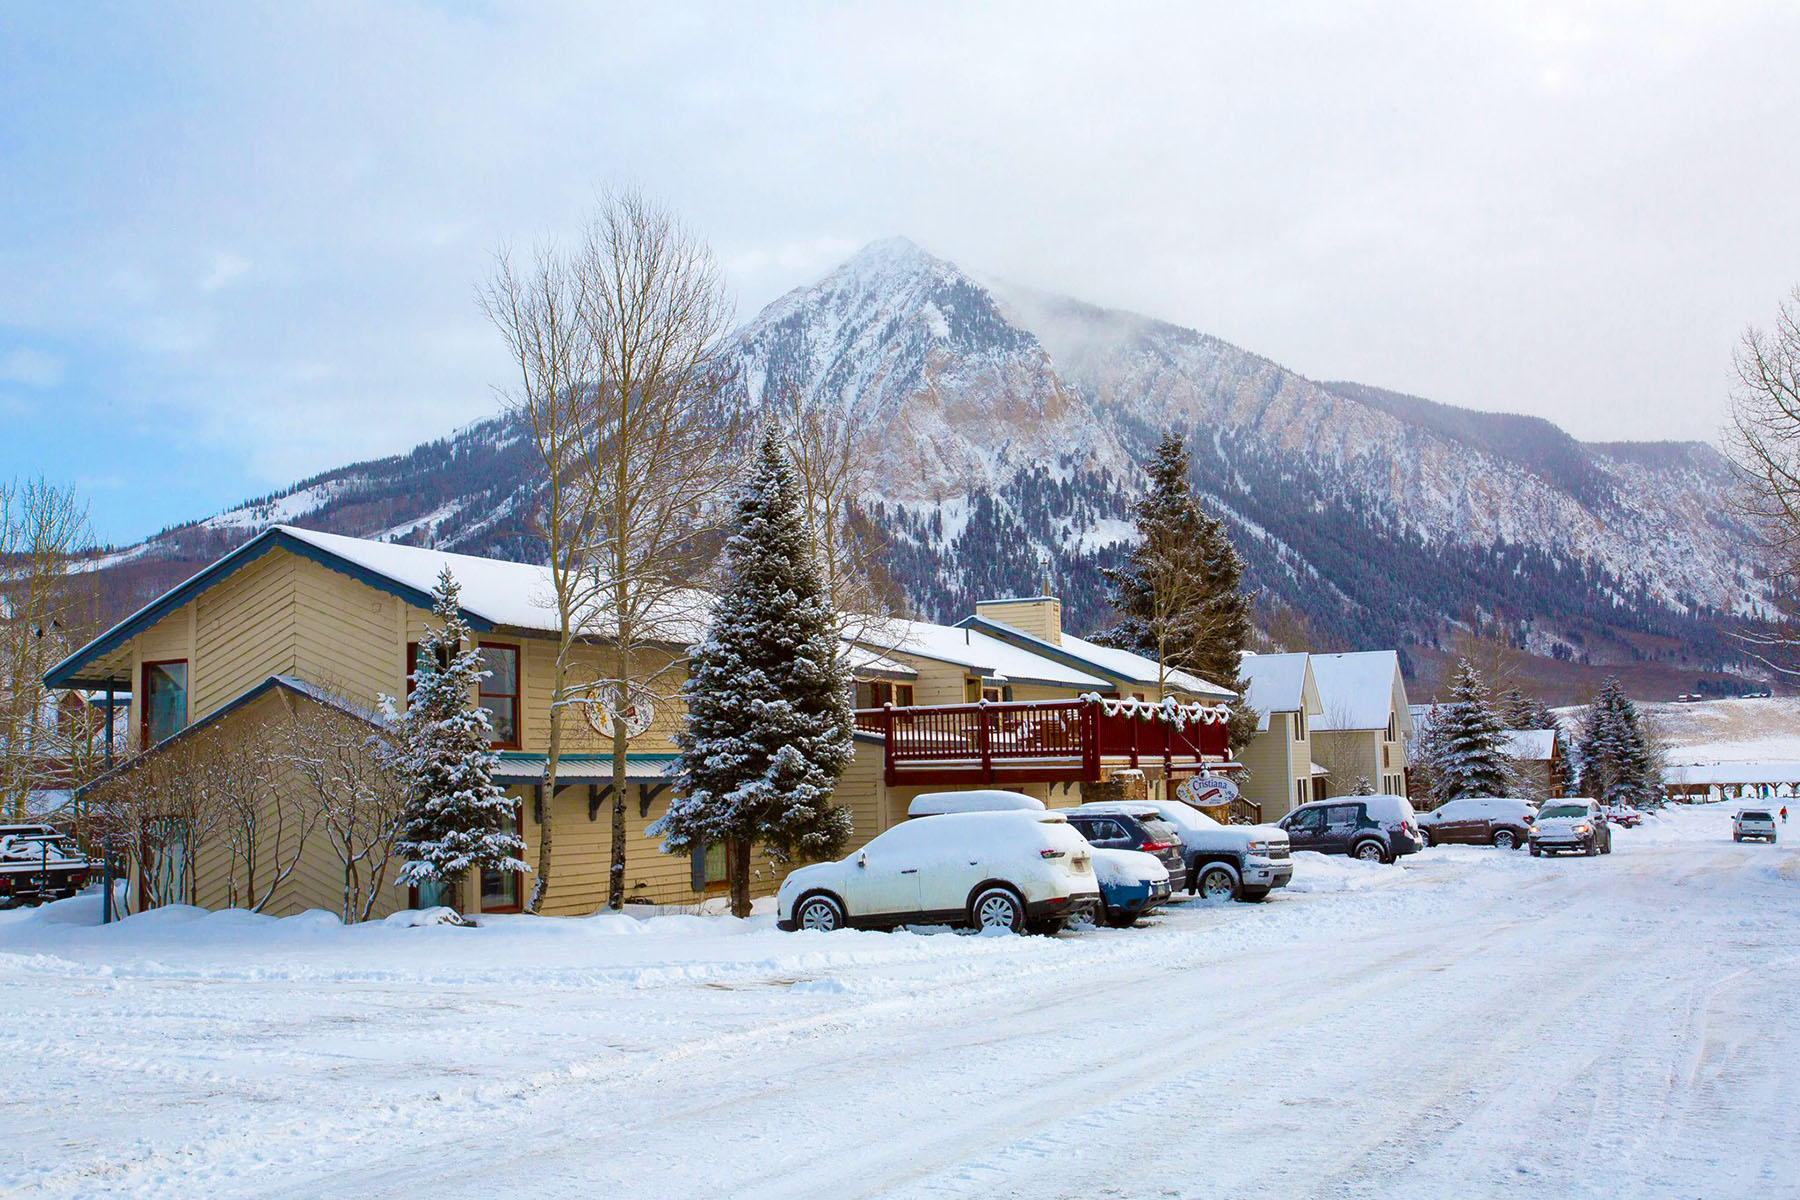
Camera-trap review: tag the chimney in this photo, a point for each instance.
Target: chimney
(1040, 616)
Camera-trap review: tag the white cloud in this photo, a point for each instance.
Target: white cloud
(225, 269)
(33, 368)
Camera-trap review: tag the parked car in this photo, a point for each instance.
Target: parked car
(39, 863)
(1132, 884)
(1753, 823)
(1488, 821)
(1623, 814)
(1571, 825)
(1243, 861)
(988, 870)
(1379, 828)
(1132, 827)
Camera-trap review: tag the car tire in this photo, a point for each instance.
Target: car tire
(1118, 918)
(1536, 852)
(1044, 928)
(1370, 851)
(1216, 883)
(1593, 848)
(1253, 895)
(820, 911)
(1505, 839)
(997, 907)
(1425, 837)
(1737, 837)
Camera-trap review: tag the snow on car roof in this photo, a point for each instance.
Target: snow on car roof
(932, 804)
(1358, 690)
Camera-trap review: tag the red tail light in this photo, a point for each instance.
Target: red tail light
(1153, 847)
(1050, 853)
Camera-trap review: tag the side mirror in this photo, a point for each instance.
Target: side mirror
(862, 859)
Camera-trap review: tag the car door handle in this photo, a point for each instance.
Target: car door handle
(909, 870)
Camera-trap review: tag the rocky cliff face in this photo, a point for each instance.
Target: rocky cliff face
(1003, 429)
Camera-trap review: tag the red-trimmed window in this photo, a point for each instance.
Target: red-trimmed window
(165, 711)
(875, 693)
(500, 692)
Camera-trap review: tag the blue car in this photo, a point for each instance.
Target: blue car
(1132, 884)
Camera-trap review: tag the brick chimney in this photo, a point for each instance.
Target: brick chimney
(1040, 616)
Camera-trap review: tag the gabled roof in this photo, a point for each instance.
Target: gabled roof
(976, 651)
(1360, 691)
(1534, 745)
(1118, 666)
(496, 594)
(1278, 683)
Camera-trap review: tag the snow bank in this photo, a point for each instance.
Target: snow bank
(1316, 873)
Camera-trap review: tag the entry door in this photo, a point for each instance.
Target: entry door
(1306, 829)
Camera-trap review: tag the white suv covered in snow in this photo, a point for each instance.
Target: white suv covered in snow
(1753, 823)
(1243, 861)
(989, 870)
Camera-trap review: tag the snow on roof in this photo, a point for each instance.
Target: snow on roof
(1537, 745)
(510, 594)
(1274, 683)
(931, 804)
(1356, 691)
(864, 661)
(991, 657)
(1772, 771)
(1140, 668)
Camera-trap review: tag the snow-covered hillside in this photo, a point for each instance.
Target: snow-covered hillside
(1003, 430)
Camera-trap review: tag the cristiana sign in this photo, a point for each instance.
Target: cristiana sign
(1207, 790)
(602, 708)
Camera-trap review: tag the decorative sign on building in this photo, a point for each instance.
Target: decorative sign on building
(1204, 791)
(603, 707)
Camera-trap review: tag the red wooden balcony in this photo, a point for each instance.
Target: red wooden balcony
(1043, 741)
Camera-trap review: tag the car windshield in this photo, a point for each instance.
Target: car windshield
(1564, 810)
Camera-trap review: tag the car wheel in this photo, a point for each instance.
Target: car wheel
(1535, 852)
(1217, 883)
(1505, 839)
(1593, 848)
(1425, 836)
(1370, 851)
(1254, 895)
(1119, 918)
(819, 912)
(1044, 928)
(1737, 837)
(998, 908)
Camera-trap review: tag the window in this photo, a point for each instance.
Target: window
(1300, 789)
(1300, 726)
(500, 692)
(500, 889)
(971, 690)
(412, 662)
(877, 692)
(1393, 729)
(165, 700)
(994, 695)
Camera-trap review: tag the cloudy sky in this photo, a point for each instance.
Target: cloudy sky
(238, 243)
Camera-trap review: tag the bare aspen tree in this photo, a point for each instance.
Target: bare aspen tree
(658, 314)
(544, 312)
(43, 529)
(1764, 441)
(344, 762)
(833, 471)
(265, 823)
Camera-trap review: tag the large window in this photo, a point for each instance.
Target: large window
(500, 692)
(501, 890)
(165, 700)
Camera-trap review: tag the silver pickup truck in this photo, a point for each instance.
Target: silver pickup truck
(1245, 862)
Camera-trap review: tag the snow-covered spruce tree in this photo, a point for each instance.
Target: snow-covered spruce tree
(1179, 595)
(1468, 751)
(1619, 763)
(768, 730)
(457, 818)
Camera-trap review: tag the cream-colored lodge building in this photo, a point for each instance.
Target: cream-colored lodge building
(1325, 723)
(298, 617)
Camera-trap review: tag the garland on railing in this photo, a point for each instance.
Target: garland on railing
(1167, 710)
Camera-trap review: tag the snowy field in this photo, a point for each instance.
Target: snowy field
(1473, 1023)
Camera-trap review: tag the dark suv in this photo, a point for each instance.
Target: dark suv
(1128, 831)
(1373, 828)
(39, 863)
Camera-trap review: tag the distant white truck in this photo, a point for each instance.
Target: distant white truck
(1758, 823)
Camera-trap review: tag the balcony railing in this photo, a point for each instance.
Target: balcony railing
(1044, 741)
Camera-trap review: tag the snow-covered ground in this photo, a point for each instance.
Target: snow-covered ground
(1472, 1023)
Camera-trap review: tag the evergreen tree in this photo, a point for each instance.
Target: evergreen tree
(1179, 595)
(1467, 749)
(1619, 763)
(457, 818)
(769, 728)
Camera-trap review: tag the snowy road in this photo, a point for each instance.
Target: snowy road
(1474, 1023)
